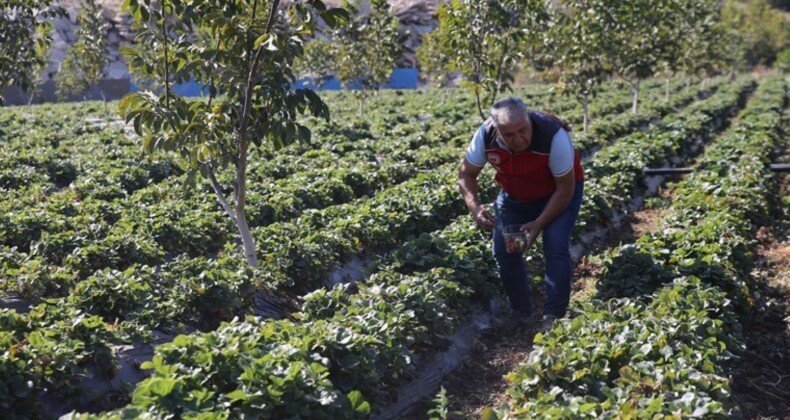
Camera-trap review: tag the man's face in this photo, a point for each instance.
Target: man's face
(517, 135)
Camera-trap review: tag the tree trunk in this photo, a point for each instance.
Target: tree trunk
(103, 97)
(220, 195)
(241, 198)
(498, 81)
(586, 108)
(666, 91)
(476, 70)
(246, 237)
(688, 84)
(241, 168)
(239, 219)
(635, 86)
(479, 105)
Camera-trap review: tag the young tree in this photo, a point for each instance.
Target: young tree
(482, 41)
(638, 34)
(782, 62)
(42, 51)
(24, 37)
(759, 31)
(245, 51)
(732, 18)
(85, 60)
(318, 62)
(700, 48)
(367, 48)
(433, 61)
(576, 44)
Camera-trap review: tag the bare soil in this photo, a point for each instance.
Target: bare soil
(480, 381)
(591, 265)
(761, 380)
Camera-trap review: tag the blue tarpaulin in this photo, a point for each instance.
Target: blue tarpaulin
(190, 88)
(405, 78)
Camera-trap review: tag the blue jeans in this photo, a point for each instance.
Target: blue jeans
(556, 251)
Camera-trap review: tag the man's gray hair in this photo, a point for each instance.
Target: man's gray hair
(507, 110)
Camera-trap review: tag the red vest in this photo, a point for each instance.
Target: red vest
(525, 176)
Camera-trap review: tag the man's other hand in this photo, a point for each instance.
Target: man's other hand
(483, 218)
(532, 230)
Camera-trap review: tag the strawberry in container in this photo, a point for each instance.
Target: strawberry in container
(515, 239)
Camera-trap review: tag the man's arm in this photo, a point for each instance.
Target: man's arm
(566, 184)
(467, 183)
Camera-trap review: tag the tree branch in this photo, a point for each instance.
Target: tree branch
(479, 106)
(245, 115)
(167, 68)
(211, 84)
(499, 68)
(476, 70)
(218, 192)
(272, 11)
(249, 31)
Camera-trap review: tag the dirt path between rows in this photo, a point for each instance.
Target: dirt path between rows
(761, 380)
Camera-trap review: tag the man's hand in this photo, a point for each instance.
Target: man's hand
(467, 182)
(483, 218)
(532, 229)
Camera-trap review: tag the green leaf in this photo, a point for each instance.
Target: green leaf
(238, 395)
(126, 103)
(128, 51)
(358, 402)
(488, 414)
(268, 41)
(304, 133)
(335, 17)
(161, 386)
(190, 182)
(349, 361)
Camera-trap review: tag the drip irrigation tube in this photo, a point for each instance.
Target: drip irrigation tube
(775, 167)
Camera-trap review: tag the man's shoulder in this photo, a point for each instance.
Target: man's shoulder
(488, 132)
(543, 116)
(547, 118)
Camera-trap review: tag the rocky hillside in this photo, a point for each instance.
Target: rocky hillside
(417, 17)
(65, 35)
